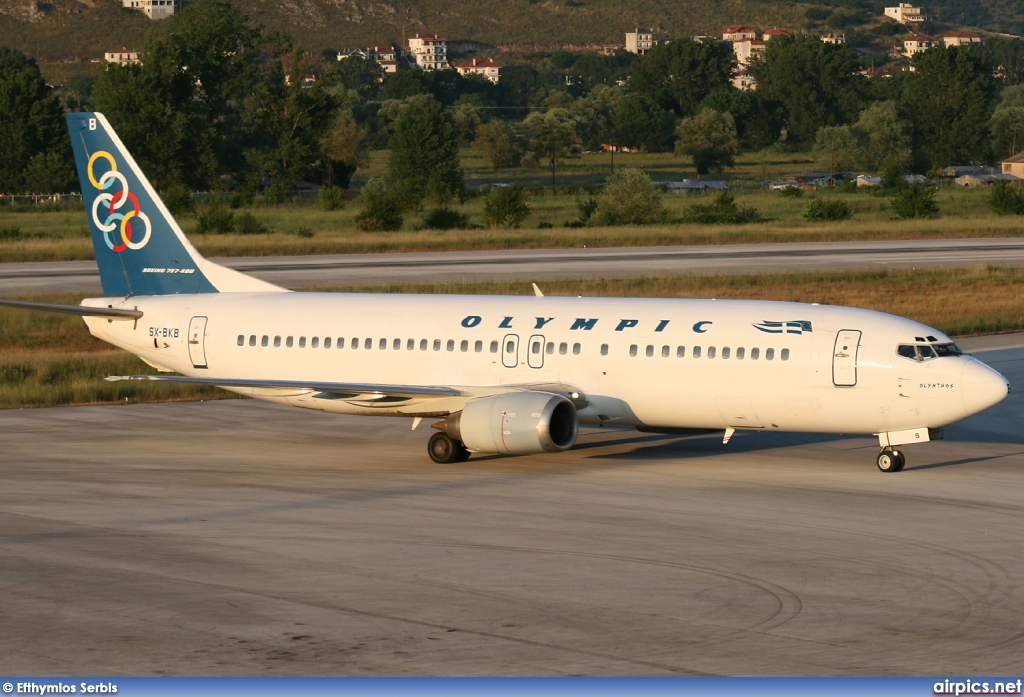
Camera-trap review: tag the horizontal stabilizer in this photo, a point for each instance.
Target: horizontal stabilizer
(342, 388)
(80, 310)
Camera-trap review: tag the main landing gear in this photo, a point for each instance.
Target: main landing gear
(443, 449)
(891, 460)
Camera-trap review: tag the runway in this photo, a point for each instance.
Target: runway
(238, 538)
(540, 264)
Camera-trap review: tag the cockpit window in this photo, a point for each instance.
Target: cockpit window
(926, 352)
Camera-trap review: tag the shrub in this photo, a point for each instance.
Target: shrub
(894, 178)
(827, 209)
(273, 195)
(507, 207)
(381, 211)
(332, 198)
(444, 218)
(178, 200)
(240, 197)
(790, 192)
(585, 209)
(1006, 198)
(631, 199)
(11, 232)
(722, 211)
(247, 224)
(215, 221)
(306, 232)
(914, 201)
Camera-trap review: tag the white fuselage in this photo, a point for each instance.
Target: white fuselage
(711, 364)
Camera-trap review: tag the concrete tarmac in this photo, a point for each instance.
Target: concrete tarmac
(239, 538)
(543, 264)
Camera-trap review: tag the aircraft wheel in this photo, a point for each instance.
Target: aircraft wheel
(442, 449)
(890, 460)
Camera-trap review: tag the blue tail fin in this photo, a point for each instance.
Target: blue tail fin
(140, 249)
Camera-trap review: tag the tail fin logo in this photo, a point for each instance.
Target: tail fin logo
(116, 220)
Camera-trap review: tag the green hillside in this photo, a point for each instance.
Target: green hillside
(55, 31)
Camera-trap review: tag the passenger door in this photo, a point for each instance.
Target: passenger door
(197, 342)
(844, 358)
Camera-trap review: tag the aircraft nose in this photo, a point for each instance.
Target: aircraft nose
(982, 387)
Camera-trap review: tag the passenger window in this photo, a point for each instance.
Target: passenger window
(604, 349)
(464, 346)
(576, 349)
(341, 342)
(265, 340)
(550, 348)
(510, 347)
(563, 348)
(241, 339)
(396, 345)
(327, 342)
(784, 355)
(755, 353)
(696, 352)
(355, 343)
(383, 345)
(711, 351)
(726, 352)
(450, 345)
(478, 346)
(769, 354)
(410, 344)
(740, 352)
(494, 347)
(632, 350)
(665, 351)
(650, 350)
(302, 342)
(680, 352)
(314, 342)
(437, 344)
(277, 342)
(535, 348)
(289, 341)
(252, 340)
(423, 344)
(367, 344)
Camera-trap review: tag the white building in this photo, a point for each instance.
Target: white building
(916, 43)
(960, 38)
(484, 67)
(739, 32)
(904, 13)
(121, 56)
(639, 41)
(429, 51)
(833, 38)
(154, 9)
(745, 49)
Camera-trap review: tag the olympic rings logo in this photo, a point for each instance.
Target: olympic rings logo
(113, 202)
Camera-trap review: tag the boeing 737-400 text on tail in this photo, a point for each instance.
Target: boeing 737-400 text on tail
(512, 375)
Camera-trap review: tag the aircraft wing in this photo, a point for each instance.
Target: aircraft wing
(347, 390)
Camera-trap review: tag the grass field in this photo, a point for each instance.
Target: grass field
(49, 360)
(55, 235)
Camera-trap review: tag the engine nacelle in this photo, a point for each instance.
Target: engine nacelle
(516, 423)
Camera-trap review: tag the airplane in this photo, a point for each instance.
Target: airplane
(511, 375)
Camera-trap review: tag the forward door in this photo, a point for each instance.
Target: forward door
(844, 358)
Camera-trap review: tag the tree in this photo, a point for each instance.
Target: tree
(593, 115)
(497, 142)
(837, 147)
(381, 211)
(814, 83)
(885, 137)
(507, 207)
(757, 123)
(680, 74)
(286, 122)
(631, 199)
(914, 201)
(552, 135)
(364, 77)
(37, 152)
(1007, 54)
(424, 158)
(709, 138)
(1006, 198)
(179, 111)
(345, 147)
(949, 98)
(1007, 127)
(640, 122)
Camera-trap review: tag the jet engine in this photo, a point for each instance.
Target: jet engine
(516, 423)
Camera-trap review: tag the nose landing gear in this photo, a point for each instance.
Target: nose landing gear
(891, 460)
